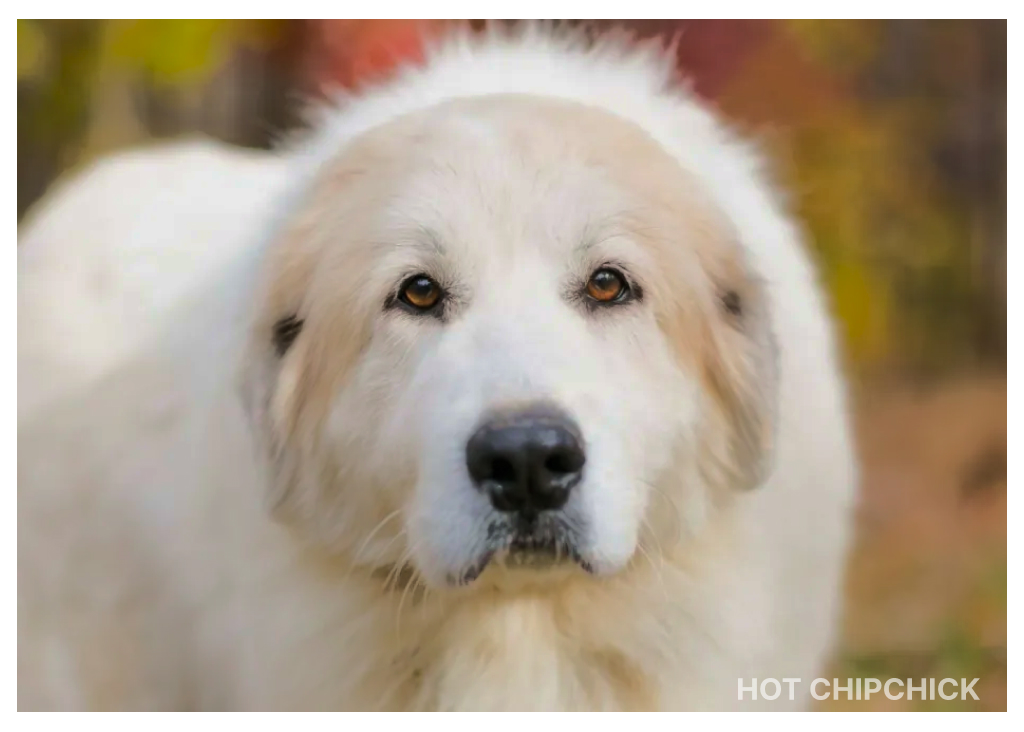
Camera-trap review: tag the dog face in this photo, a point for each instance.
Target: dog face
(507, 332)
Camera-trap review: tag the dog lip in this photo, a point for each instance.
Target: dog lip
(470, 575)
(530, 544)
(524, 545)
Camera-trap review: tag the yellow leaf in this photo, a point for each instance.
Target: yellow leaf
(861, 305)
(174, 51)
(32, 49)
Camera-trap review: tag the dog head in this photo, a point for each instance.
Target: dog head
(507, 331)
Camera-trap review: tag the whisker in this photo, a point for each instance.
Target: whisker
(395, 572)
(645, 524)
(369, 538)
(676, 513)
(655, 567)
(401, 601)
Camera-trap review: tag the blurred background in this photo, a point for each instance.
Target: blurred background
(891, 136)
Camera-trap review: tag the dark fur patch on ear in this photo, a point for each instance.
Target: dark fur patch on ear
(286, 330)
(733, 303)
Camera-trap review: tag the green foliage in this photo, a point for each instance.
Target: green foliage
(176, 52)
(846, 46)
(171, 51)
(892, 233)
(32, 49)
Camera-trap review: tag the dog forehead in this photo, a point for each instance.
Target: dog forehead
(508, 158)
(532, 128)
(511, 142)
(530, 169)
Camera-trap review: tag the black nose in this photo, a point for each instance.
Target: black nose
(527, 461)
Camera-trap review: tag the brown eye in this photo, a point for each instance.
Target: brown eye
(420, 292)
(607, 285)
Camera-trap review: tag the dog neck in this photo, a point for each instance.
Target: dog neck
(579, 643)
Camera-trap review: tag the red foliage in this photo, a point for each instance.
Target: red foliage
(709, 52)
(726, 61)
(349, 52)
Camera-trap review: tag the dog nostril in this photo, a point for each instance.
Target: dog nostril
(561, 462)
(502, 470)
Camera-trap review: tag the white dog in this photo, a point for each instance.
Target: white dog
(508, 387)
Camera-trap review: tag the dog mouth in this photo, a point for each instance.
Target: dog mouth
(530, 543)
(535, 543)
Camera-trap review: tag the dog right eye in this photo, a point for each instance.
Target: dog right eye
(607, 286)
(420, 293)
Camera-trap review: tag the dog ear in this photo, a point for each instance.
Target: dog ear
(741, 373)
(310, 323)
(309, 329)
(271, 375)
(280, 368)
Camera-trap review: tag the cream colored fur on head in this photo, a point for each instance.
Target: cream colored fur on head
(242, 464)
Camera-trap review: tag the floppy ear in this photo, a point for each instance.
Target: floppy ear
(741, 373)
(307, 329)
(271, 379)
(295, 367)
(281, 373)
(312, 318)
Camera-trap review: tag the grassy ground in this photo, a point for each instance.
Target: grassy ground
(927, 582)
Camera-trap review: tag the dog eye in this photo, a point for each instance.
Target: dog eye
(420, 292)
(607, 285)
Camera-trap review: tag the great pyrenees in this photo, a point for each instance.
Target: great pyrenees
(507, 386)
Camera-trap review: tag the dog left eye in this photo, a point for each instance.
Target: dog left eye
(420, 292)
(607, 286)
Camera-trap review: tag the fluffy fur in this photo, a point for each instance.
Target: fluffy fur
(241, 469)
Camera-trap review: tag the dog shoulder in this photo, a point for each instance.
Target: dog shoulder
(109, 253)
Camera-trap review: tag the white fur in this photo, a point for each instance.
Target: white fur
(189, 537)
